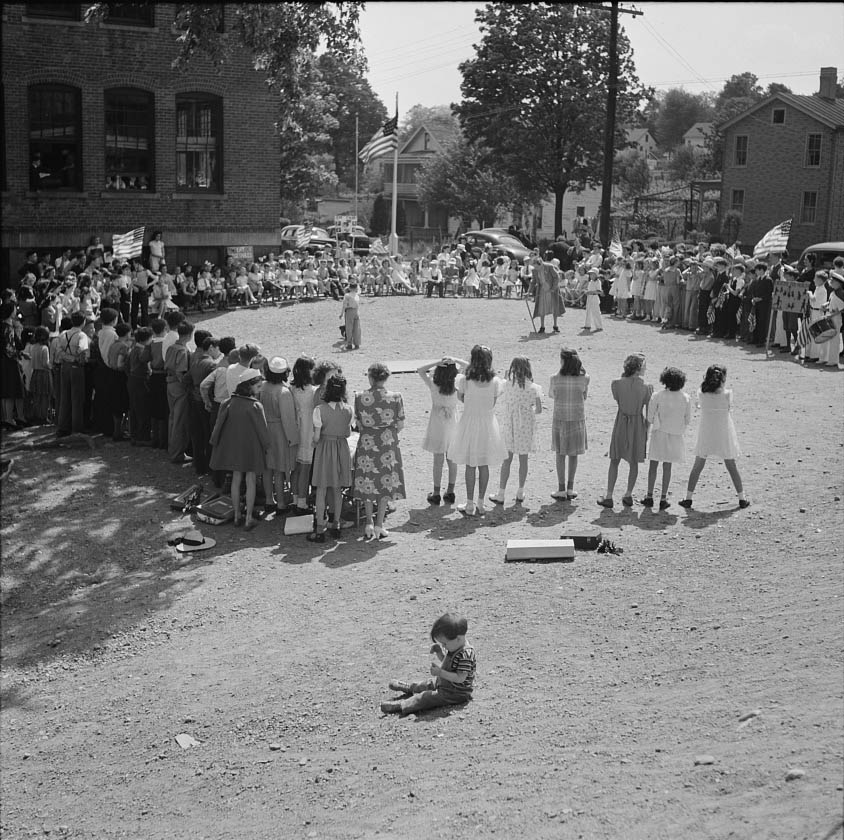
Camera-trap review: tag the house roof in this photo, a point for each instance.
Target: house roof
(699, 129)
(634, 135)
(828, 112)
(441, 133)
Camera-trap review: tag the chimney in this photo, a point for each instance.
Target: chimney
(829, 78)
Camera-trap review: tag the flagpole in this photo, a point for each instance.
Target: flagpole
(357, 166)
(394, 240)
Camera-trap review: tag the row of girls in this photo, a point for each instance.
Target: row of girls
(251, 434)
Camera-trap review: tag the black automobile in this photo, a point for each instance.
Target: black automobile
(357, 238)
(319, 240)
(499, 241)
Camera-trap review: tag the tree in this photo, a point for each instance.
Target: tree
(438, 115)
(684, 164)
(777, 87)
(380, 221)
(535, 94)
(631, 173)
(353, 97)
(740, 86)
(466, 185)
(679, 110)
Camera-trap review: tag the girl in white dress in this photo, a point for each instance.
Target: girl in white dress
(651, 283)
(717, 435)
(522, 402)
(637, 289)
(669, 414)
(622, 288)
(442, 422)
(303, 398)
(477, 442)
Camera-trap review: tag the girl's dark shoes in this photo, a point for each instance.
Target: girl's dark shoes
(449, 498)
(686, 503)
(648, 501)
(434, 498)
(743, 503)
(664, 503)
(316, 537)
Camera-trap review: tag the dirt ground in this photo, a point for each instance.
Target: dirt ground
(602, 684)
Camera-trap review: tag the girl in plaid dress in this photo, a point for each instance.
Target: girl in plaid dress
(569, 389)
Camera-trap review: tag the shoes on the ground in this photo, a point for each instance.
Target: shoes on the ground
(449, 498)
(570, 494)
(743, 503)
(251, 524)
(468, 509)
(400, 685)
(480, 510)
(381, 533)
(648, 501)
(607, 503)
(686, 503)
(334, 530)
(434, 498)
(391, 707)
(664, 503)
(560, 494)
(369, 532)
(498, 500)
(520, 496)
(556, 329)
(627, 501)
(541, 330)
(316, 537)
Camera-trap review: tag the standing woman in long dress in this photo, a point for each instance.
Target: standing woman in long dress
(379, 475)
(478, 441)
(629, 434)
(545, 286)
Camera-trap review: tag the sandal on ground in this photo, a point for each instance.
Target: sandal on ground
(369, 532)
(468, 509)
(570, 494)
(496, 499)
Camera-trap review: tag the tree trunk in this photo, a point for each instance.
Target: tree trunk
(559, 193)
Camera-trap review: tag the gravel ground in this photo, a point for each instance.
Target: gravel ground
(689, 687)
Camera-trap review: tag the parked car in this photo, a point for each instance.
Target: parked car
(476, 240)
(825, 253)
(320, 240)
(357, 238)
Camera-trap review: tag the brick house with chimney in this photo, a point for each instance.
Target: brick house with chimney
(784, 159)
(103, 136)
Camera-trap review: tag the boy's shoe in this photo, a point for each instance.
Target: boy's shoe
(391, 707)
(434, 498)
(648, 501)
(743, 503)
(686, 503)
(399, 685)
(664, 503)
(449, 498)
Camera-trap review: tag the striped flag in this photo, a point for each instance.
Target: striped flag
(378, 247)
(303, 237)
(127, 246)
(803, 335)
(383, 141)
(733, 252)
(615, 247)
(774, 241)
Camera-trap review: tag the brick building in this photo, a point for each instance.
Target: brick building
(103, 136)
(784, 159)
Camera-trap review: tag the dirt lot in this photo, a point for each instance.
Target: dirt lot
(600, 682)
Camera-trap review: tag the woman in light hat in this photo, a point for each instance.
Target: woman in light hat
(280, 411)
(241, 441)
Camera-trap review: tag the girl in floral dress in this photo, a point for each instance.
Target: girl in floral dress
(522, 402)
(379, 475)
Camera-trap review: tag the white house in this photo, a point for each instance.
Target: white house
(695, 138)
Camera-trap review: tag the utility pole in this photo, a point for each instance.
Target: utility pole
(609, 129)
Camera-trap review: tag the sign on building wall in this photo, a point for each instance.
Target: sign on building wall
(241, 253)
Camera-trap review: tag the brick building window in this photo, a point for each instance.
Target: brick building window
(54, 11)
(129, 137)
(55, 135)
(813, 150)
(809, 208)
(778, 116)
(199, 142)
(737, 201)
(131, 14)
(740, 156)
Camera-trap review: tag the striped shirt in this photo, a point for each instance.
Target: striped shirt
(462, 661)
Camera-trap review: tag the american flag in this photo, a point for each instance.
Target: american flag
(383, 141)
(774, 241)
(616, 248)
(126, 246)
(377, 247)
(303, 237)
(804, 337)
